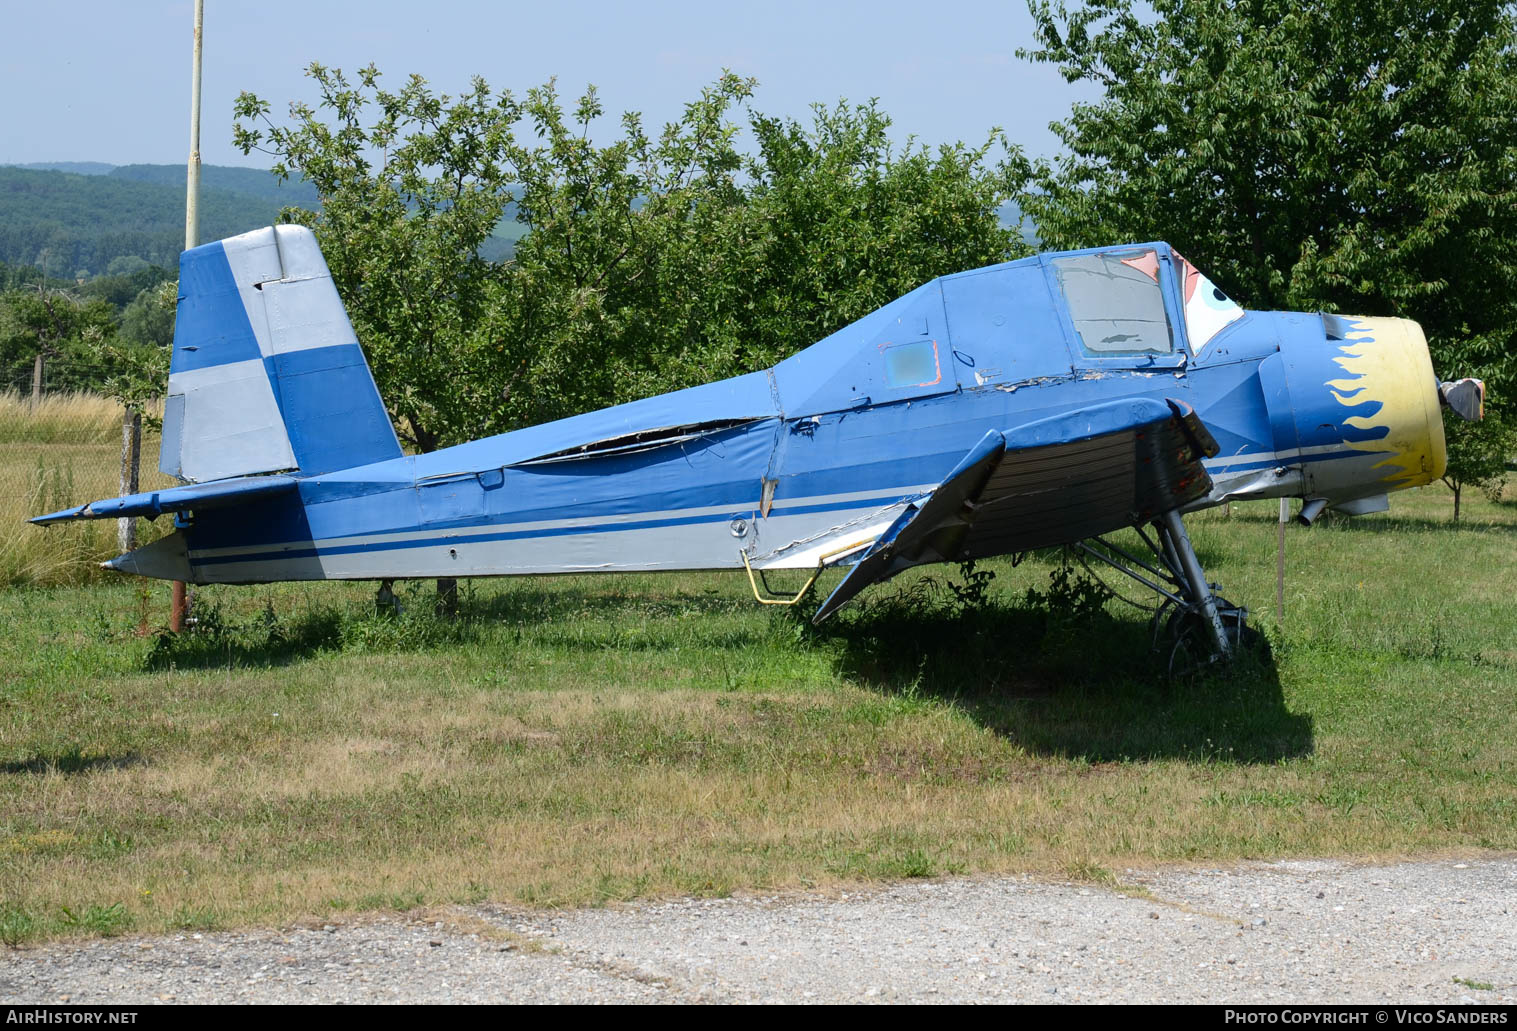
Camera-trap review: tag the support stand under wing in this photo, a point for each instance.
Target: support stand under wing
(1064, 480)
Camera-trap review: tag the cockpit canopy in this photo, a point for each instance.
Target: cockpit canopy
(1116, 302)
(1140, 306)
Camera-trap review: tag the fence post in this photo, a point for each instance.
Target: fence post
(131, 465)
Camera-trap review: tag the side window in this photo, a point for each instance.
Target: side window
(1115, 302)
(913, 365)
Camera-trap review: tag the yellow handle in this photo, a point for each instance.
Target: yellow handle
(821, 563)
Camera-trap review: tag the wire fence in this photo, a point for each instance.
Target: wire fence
(59, 447)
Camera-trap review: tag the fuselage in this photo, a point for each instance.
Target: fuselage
(787, 466)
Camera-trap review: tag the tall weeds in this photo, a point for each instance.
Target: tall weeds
(63, 451)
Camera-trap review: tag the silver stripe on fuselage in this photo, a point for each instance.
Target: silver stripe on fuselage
(463, 533)
(1278, 456)
(708, 545)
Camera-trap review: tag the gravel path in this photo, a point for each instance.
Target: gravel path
(1433, 932)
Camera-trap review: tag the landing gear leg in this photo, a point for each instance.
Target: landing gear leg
(1193, 623)
(1177, 541)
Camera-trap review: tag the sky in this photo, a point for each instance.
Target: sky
(109, 80)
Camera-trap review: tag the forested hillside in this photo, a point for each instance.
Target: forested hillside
(253, 182)
(73, 226)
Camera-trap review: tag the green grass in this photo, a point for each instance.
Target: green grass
(572, 741)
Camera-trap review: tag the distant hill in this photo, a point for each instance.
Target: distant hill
(77, 167)
(68, 224)
(73, 218)
(254, 182)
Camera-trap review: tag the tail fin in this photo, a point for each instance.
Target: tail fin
(267, 374)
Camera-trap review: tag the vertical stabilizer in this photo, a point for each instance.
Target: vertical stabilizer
(267, 374)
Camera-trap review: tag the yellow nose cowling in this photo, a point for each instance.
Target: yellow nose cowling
(1387, 360)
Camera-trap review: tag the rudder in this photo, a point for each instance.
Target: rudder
(266, 373)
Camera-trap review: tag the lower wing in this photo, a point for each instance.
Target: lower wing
(1054, 481)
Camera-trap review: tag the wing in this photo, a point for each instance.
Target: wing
(1054, 481)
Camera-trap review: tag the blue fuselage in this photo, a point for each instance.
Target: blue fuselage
(782, 465)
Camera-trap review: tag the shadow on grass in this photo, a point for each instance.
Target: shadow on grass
(261, 642)
(1073, 685)
(71, 761)
(267, 639)
(1053, 671)
(530, 604)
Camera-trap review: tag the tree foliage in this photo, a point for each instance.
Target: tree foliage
(653, 261)
(1342, 155)
(55, 324)
(87, 343)
(1478, 453)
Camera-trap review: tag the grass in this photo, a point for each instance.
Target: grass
(63, 452)
(576, 741)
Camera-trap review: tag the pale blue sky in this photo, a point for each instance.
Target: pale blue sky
(96, 80)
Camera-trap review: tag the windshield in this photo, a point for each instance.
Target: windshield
(1115, 302)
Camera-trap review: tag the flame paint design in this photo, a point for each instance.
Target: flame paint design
(1388, 385)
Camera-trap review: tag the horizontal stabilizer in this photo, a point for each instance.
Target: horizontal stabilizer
(216, 494)
(1054, 481)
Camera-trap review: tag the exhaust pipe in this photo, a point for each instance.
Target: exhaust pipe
(1311, 508)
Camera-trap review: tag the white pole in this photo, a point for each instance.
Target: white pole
(180, 603)
(192, 190)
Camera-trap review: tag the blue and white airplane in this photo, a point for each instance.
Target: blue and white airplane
(1040, 402)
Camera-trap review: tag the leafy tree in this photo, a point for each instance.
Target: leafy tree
(125, 265)
(121, 288)
(149, 319)
(40, 324)
(1478, 454)
(844, 222)
(655, 261)
(1340, 155)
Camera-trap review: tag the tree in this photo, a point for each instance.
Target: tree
(1340, 155)
(149, 319)
(654, 261)
(408, 197)
(1478, 454)
(41, 323)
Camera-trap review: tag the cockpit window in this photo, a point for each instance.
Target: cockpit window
(1115, 302)
(1207, 309)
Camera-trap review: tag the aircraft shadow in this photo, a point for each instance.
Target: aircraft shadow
(267, 640)
(70, 761)
(1062, 677)
(1090, 688)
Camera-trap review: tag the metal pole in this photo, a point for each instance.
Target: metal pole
(191, 238)
(1280, 563)
(192, 191)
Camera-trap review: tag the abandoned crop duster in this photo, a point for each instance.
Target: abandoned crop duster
(1040, 402)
